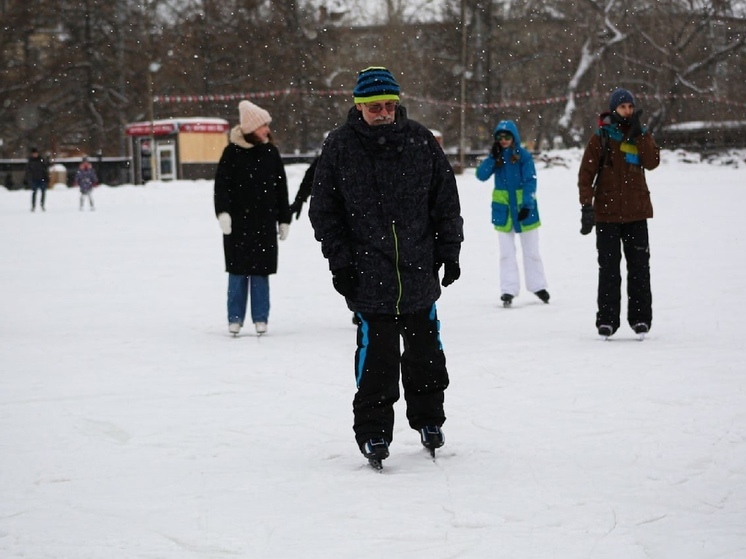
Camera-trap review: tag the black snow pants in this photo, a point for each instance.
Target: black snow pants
(378, 360)
(633, 237)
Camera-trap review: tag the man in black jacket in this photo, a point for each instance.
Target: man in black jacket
(386, 210)
(37, 176)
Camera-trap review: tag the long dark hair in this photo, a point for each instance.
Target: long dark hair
(256, 140)
(513, 158)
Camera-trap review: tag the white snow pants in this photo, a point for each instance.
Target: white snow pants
(533, 268)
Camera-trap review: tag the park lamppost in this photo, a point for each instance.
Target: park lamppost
(152, 69)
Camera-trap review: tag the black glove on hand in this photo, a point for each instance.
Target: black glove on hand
(345, 281)
(452, 273)
(587, 219)
(523, 213)
(635, 126)
(295, 208)
(495, 150)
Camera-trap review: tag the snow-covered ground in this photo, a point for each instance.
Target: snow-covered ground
(133, 426)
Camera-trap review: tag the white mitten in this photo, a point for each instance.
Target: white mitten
(284, 230)
(224, 219)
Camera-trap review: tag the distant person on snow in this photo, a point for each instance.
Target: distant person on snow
(514, 212)
(386, 210)
(614, 197)
(304, 190)
(86, 180)
(37, 177)
(251, 204)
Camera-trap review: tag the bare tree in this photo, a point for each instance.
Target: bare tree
(602, 32)
(73, 72)
(694, 42)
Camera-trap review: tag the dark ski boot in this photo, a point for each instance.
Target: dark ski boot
(376, 451)
(432, 438)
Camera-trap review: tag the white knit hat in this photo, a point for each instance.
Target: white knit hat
(252, 117)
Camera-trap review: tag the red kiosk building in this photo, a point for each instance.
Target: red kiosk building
(176, 148)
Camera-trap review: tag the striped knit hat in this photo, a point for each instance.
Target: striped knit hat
(375, 84)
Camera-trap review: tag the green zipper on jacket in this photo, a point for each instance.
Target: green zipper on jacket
(396, 265)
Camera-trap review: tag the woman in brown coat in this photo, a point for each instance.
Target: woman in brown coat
(615, 198)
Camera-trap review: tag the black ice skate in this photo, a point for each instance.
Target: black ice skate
(606, 331)
(543, 294)
(432, 438)
(376, 451)
(641, 329)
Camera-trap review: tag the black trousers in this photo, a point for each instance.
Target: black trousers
(633, 238)
(38, 185)
(378, 360)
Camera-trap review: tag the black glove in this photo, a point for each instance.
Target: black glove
(452, 273)
(523, 213)
(635, 128)
(495, 150)
(345, 281)
(295, 208)
(587, 219)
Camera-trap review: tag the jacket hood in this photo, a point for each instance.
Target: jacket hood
(614, 126)
(604, 119)
(384, 136)
(356, 120)
(508, 126)
(237, 137)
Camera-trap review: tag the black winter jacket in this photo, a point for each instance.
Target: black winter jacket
(251, 186)
(306, 185)
(36, 170)
(385, 201)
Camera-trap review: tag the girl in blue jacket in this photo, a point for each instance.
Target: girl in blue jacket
(514, 211)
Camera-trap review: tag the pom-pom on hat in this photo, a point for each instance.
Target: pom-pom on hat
(375, 84)
(252, 116)
(618, 97)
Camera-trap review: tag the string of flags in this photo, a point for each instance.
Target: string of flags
(223, 97)
(453, 103)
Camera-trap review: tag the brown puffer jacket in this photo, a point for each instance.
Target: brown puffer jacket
(622, 194)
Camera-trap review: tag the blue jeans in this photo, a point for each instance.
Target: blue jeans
(238, 294)
(36, 185)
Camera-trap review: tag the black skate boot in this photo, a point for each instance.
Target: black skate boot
(543, 294)
(432, 438)
(641, 329)
(376, 451)
(605, 330)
